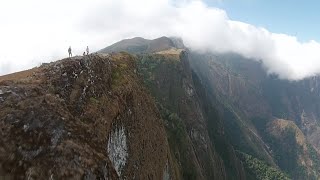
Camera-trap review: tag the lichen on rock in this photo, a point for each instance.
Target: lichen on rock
(117, 149)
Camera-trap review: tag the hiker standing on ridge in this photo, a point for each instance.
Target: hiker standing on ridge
(69, 51)
(87, 50)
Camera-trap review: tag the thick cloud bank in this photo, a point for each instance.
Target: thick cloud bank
(42, 31)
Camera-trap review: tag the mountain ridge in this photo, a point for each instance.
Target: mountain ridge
(141, 45)
(244, 89)
(201, 115)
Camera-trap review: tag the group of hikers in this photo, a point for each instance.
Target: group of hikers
(84, 53)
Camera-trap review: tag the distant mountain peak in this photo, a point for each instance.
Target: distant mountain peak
(141, 45)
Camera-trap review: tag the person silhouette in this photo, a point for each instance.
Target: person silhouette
(87, 50)
(69, 51)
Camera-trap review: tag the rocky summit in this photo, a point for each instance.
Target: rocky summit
(153, 109)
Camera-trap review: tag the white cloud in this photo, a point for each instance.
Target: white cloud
(37, 31)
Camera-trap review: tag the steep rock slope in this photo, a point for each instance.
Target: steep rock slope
(292, 151)
(252, 99)
(171, 82)
(229, 100)
(192, 123)
(85, 117)
(232, 102)
(239, 97)
(298, 101)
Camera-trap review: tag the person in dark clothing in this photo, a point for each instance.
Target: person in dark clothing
(69, 51)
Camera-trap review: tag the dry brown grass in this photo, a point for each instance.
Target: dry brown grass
(279, 125)
(175, 53)
(19, 75)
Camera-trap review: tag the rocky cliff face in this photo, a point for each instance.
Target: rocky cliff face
(252, 100)
(170, 80)
(84, 117)
(113, 116)
(299, 102)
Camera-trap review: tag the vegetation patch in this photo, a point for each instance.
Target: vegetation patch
(94, 100)
(288, 146)
(260, 170)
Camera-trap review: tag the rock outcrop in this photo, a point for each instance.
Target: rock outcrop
(85, 117)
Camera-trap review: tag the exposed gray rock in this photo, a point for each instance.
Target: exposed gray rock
(117, 149)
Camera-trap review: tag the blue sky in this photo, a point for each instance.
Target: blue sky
(294, 17)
